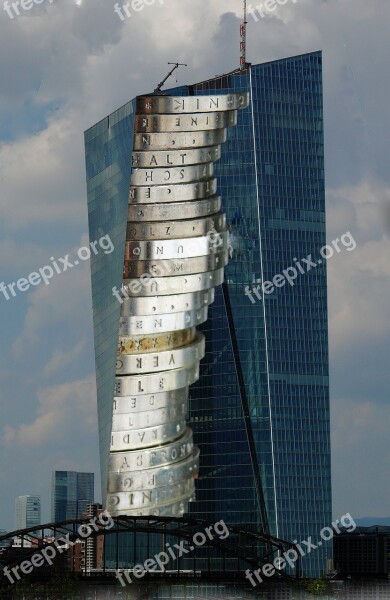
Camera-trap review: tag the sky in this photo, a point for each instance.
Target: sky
(64, 65)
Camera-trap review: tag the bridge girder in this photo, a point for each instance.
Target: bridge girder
(241, 543)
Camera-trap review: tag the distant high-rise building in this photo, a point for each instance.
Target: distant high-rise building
(27, 511)
(93, 545)
(260, 410)
(6, 542)
(86, 554)
(71, 492)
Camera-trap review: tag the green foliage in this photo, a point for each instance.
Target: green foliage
(317, 586)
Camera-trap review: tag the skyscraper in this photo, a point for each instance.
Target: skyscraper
(6, 543)
(71, 492)
(27, 512)
(260, 410)
(267, 394)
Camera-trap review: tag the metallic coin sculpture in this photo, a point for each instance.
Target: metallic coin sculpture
(177, 245)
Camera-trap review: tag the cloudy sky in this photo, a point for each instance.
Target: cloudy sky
(64, 65)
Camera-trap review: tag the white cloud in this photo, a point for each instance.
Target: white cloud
(359, 280)
(62, 409)
(15, 257)
(361, 458)
(63, 305)
(61, 359)
(42, 176)
(85, 62)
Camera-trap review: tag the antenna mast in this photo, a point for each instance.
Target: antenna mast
(177, 65)
(243, 40)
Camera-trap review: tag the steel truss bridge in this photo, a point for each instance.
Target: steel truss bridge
(215, 558)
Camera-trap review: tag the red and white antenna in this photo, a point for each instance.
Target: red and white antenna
(243, 40)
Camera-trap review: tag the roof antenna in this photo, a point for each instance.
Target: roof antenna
(177, 65)
(243, 40)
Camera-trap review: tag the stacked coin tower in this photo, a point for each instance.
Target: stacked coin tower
(175, 253)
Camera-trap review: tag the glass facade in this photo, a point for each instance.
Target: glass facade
(70, 493)
(260, 411)
(108, 147)
(27, 512)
